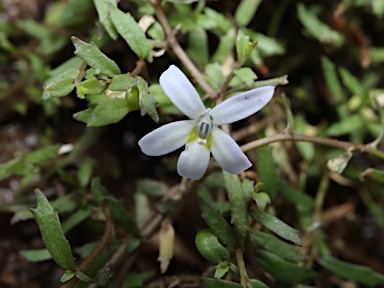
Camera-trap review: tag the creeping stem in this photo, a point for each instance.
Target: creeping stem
(347, 146)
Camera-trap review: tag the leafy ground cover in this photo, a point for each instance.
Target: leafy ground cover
(82, 206)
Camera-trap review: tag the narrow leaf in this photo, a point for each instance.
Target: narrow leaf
(245, 11)
(128, 28)
(270, 243)
(102, 10)
(36, 255)
(104, 113)
(218, 224)
(266, 170)
(239, 216)
(277, 226)
(120, 215)
(95, 58)
(60, 87)
(282, 270)
(362, 274)
(52, 233)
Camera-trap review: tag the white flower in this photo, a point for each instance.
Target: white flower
(201, 134)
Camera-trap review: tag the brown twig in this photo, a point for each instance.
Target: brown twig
(100, 247)
(179, 52)
(347, 146)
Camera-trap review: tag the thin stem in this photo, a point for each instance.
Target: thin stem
(241, 267)
(347, 146)
(179, 52)
(100, 247)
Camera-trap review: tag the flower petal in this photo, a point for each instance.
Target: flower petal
(167, 138)
(227, 153)
(181, 92)
(193, 161)
(242, 105)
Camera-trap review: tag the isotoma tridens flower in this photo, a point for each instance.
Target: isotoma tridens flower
(201, 134)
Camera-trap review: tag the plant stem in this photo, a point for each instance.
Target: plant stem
(179, 52)
(347, 146)
(241, 267)
(104, 242)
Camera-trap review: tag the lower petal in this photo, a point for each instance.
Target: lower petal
(167, 138)
(227, 153)
(193, 161)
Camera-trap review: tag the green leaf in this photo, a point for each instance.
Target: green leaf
(239, 213)
(104, 113)
(219, 283)
(277, 226)
(274, 245)
(95, 58)
(376, 54)
(218, 224)
(351, 82)
(282, 270)
(254, 283)
(332, 79)
(245, 11)
(246, 76)
(362, 274)
(307, 150)
(248, 188)
(76, 218)
(128, 28)
(318, 29)
(102, 7)
(52, 233)
(60, 87)
(244, 47)
(81, 276)
(226, 44)
(147, 102)
(42, 155)
(166, 105)
(214, 75)
(123, 82)
(378, 7)
(221, 269)
(36, 255)
(214, 21)
(210, 248)
(120, 215)
(266, 46)
(346, 126)
(267, 170)
(91, 86)
(262, 199)
(85, 171)
(377, 175)
(67, 276)
(198, 49)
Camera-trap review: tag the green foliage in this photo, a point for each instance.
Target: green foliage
(52, 233)
(326, 125)
(95, 58)
(127, 27)
(359, 273)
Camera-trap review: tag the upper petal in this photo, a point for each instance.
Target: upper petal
(181, 92)
(193, 161)
(167, 138)
(227, 153)
(242, 105)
